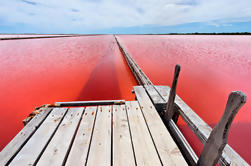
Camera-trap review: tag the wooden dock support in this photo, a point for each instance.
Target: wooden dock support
(170, 104)
(128, 134)
(160, 96)
(88, 103)
(201, 129)
(218, 138)
(122, 132)
(141, 78)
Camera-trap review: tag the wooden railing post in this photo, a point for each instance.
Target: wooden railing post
(170, 104)
(217, 140)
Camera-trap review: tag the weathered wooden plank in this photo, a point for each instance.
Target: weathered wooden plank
(122, 144)
(201, 129)
(201, 133)
(168, 151)
(145, 151)
(155, 96)
(229, 155)
(217, 140)
(100, 149)
(35, 145)
(139, 74)
(59, 145)
(183, 144)
(88, 103)
(82, 140)
(186, 149)
(170, 103)
(22, 137)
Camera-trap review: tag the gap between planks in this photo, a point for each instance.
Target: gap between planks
(123, 153)
(81, 144)
(121, 134)
(22, 137)
(40, 139)
(56, 150)
(168, 151)
(100, 148)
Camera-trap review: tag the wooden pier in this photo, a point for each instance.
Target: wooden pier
(118, 132)
(124, 133)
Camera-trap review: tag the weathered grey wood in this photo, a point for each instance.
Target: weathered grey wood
(186, 149)
(145, 151)
(170, 103)
(142, 78)
(176, 114)
(198, 126)
(201, 133)
(34, 113)
(201, 129)
(155, 96)
(100, 149)
(21, 138)
(88, 103)
(132, 69)
(218, 138)
(138, 73)
(35, 145)
(56, 150)
(229, 155)
(82, 140)
(122, 144)
(183, 144)
(167, 149)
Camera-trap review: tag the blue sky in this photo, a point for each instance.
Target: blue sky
(124, 16)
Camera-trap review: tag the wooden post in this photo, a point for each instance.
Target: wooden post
(170, 104)
(218, 137)
(176, 114)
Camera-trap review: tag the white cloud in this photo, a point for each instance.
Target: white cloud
(99, 14)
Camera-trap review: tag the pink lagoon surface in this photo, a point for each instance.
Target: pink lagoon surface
(41, 71)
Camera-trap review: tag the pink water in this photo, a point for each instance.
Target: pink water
(39, 71)
(211, 67)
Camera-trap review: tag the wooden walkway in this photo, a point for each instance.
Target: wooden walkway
(118, 132)
(129, 133)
